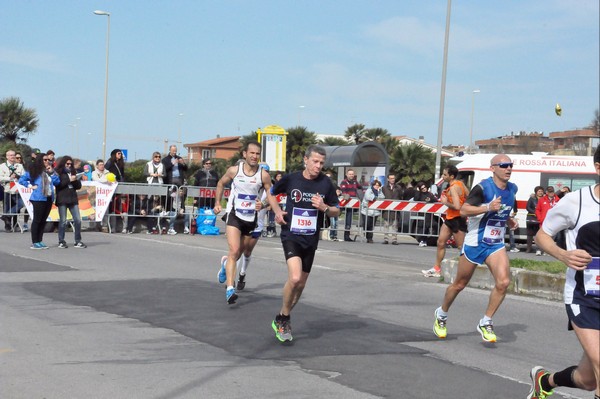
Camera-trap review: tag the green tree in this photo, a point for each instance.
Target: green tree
(377, 134)
(333, 141)
(16, 121)
(298, 140)
(595, 124)
(413, 162)
(356, 133)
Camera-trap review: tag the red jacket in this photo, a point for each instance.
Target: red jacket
(543, 206)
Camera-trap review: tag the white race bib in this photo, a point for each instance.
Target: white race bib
(245, 204)
(591, 278)
(304, 221)
(494, 231)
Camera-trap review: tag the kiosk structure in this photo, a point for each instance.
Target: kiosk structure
(272, 138)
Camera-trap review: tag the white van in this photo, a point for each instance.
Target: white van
(529, 171)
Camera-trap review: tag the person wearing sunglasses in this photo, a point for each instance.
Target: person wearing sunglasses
(154, 170)
(41, 178)
(488, 207)
(10, 171)
(66, 198)
(206, 178)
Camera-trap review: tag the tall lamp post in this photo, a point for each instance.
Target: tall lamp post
(179, 130)
(99, 12)
(472, 112)
(300, 108)
(438, 153)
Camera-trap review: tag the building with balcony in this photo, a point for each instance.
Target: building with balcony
(219, 147)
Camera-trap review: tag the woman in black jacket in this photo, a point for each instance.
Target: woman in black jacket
(66, 198)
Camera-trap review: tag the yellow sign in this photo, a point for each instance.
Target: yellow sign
(273, 141)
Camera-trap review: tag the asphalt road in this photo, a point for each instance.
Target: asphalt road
(138, 316)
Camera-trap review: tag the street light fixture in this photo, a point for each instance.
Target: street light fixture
(472, 112)
(300, 108)
(107, 14)
(179, 135)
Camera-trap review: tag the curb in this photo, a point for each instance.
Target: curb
(522, 282)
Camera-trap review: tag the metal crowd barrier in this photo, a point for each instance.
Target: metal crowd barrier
(420, 220)
(13, 212)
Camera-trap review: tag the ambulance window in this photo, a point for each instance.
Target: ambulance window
(574, 182)
(467, 178)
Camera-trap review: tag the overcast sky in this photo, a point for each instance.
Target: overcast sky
(208, 68)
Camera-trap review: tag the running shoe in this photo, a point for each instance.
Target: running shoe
(171, 232)
(487, 332)
(536, 391)
(241, 283)
(538, 253)
(422, 244)
(42, 245)
(439, 326)
(36, 245)
(433, 272)
(222, 273)
(186, 230)
(63, 244)
(515, 250)
(231, 296)
(79, 244)
(283, 329)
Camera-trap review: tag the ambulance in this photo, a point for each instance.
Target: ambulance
(529, 171)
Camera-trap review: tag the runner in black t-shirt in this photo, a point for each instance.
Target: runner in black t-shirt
(310, 198)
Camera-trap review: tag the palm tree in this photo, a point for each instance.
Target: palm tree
(298, 140)
(356, 133)
(413, 162)
(16, 121)
(333, 141)
(377, 134)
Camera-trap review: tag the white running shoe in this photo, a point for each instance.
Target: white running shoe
(171, 232)
(431, 272)
(422, 244)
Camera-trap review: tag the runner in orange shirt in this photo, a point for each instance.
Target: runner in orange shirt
(453, 197)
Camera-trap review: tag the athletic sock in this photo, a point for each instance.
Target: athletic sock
(565, 378)
(545, 383)
(245, 263)
(440, 313)
(486, 320)
(230, 287)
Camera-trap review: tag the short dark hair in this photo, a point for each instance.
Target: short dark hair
(597, 154)
(452, 170)
(205, 160)
(316, 149)
(550, 189)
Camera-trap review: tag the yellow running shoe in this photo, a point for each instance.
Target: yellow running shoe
(487, 332)
(439, 326)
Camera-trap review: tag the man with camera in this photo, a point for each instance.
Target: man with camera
(174, 167)
(10, 171)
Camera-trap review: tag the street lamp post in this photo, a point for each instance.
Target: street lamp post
(300, 108)
(438, 154)
(179, 131)
(472, 112)
(98, 12)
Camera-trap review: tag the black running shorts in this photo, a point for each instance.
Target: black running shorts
(246, 228)
(292, 249)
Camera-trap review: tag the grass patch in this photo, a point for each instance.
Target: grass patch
(539, 266)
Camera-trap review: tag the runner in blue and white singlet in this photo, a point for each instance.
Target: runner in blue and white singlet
(486, 231)
(488, 208)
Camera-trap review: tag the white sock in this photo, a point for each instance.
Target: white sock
(486, 320)
(440, 313)
(229, 287)
(245, 264)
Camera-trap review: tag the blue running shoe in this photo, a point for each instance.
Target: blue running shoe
(222, 273)
(36, 245)
(42, 245)
(231, 296)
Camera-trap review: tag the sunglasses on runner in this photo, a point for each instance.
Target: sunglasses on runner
(504, 165)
